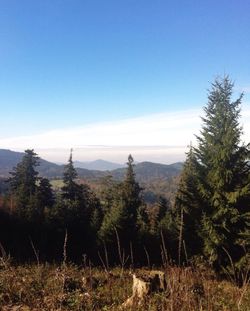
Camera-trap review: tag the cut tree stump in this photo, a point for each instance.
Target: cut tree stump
(145, 283)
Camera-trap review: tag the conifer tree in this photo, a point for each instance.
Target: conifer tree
(131, 191)
(45, 193)
(219, 189)
(71, 190)
(223, 175)
(78, 211)
(125, 214)
(188, 209)
(23, 180)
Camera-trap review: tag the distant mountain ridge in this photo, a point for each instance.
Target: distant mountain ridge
(9, 159)
(145, 171)
(100, 165)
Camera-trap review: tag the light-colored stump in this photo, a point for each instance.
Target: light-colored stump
(144, 284)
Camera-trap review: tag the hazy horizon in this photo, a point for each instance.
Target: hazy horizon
(162, 138)
(115, 154)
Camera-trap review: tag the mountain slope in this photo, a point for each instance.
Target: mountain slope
(9, 159)
(100, 165)
(145, 171)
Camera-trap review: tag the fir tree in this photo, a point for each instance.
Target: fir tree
(71, 190)
(131, 191)
(222, 177)
(24, 179)
(125, 214)
(45, 193)
(78, 211)
(188, 209)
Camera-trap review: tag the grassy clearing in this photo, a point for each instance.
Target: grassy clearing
(50, 287)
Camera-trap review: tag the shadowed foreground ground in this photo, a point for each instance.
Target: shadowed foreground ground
(50, 287)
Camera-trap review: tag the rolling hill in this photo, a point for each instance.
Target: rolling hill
(145, 171)
(9, 159)
(155, 178)
(100, 165)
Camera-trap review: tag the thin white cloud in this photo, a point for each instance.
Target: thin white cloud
(157, 129)
(158, 137)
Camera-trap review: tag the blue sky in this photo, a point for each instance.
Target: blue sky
(72, 64)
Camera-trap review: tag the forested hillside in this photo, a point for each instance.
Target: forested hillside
(9, 159)
(156, 179)
(145, 171)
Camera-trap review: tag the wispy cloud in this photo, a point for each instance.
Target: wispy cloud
(160, 137)
(157, 129)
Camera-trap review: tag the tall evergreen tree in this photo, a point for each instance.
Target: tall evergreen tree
(45, 194)
(131, 191)
(125, 214)
(78, 211)
(220, 185)
(71, 190)
(24, 179)
(188, 211)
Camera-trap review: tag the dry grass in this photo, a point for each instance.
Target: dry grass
(50, 287)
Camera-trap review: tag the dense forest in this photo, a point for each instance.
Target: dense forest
(208, 222)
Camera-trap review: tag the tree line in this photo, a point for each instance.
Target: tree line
(209, 222)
